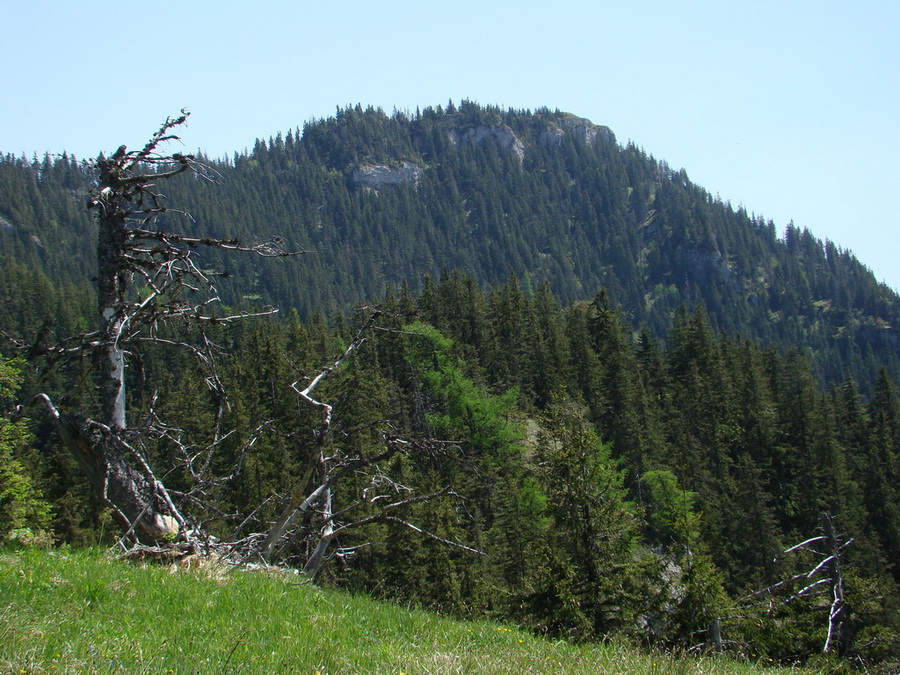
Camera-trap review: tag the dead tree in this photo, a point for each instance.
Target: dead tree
(384, 499)
(824, 582)
(132, 253)
(147, 279)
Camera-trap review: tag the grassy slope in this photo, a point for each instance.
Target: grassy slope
(81, 612)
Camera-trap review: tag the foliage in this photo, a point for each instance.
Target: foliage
(461, 408)
(578, 211)
(670, 511)
(24, 513)
(596, 376)
(697, 597)
(592, 531)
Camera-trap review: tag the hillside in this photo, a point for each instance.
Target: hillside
(379, 200)
(488, 442)
(84, 612)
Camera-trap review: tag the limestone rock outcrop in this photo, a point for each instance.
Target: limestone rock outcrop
(584, 128)
(378, 176)
(501, 134)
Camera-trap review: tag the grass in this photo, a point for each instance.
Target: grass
(82, 612)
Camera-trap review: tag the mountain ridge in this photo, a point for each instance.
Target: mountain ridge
(549, 196)
(568, 332)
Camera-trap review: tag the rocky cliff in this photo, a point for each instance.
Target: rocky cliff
(379, 176)
(501, 134)
(581, 127)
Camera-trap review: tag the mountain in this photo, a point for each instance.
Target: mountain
(379, 200)
(581, 365)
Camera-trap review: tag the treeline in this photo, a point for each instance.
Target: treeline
(616, 482)
(544, 195)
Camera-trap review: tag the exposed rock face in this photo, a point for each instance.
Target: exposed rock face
(711, 263)
(379, 176)
(502, 135)
(584, 128)
(552, 135)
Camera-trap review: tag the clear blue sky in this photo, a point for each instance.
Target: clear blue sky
(789, 107)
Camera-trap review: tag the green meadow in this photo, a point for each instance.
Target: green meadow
(82, 611)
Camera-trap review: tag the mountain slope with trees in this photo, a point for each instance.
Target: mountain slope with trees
(382, 199)
(463, 441)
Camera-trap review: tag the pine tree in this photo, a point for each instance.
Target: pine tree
(882, 470)
(799, 466)
(617, 420)
(24, 513)
(593, 532)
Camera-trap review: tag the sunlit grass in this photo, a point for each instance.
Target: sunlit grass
(81, 612)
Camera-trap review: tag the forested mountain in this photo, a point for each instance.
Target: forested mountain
(613, 486)
(560, 383)
(378, 199)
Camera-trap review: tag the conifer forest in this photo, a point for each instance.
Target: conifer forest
(483, 361)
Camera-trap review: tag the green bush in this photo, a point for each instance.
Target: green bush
(24, 513)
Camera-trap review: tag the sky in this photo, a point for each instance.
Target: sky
(789, 108)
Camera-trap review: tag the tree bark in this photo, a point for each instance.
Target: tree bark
(111, 284)
(138, 501)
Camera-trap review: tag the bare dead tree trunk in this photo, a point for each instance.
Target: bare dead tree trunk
(131, 250)
(314, 563)
(837, 638)
(298, 504)
(823, 579)
(316, 492)
(112, 282)
(121, 479)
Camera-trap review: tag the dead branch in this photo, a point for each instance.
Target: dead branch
(131, 251)
(825, 574)
(443, 540)
(316, 500)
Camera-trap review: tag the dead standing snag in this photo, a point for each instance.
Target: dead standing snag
(134, 254)
(132, 251)
(382, 500)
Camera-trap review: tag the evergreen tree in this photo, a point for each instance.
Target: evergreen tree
(593, 556)
(617, 420)
(24, 513)
(799, 467)
(697, 599)
(882, 470)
